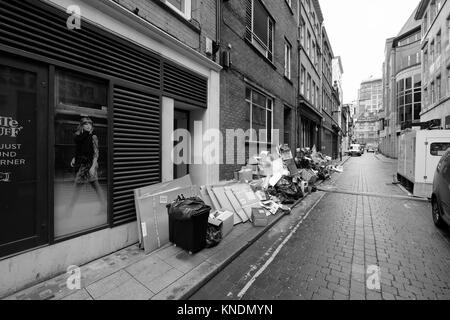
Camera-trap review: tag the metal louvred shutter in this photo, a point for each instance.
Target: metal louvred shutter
(248, 19)
(184, 85)
(137, 148)
(40, 29)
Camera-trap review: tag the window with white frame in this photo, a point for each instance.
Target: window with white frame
(182, 7)
(317, 97)
(438, 43)
(438, 88)
(313, 93)
(260, 28)
(308, 43)
(302, 80)
(302, 29)
(308, 88)
(260, 115)
(287, 59)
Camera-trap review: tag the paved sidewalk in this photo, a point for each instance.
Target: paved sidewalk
(167, 274)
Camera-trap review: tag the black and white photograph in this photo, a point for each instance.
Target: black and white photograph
(228, 156)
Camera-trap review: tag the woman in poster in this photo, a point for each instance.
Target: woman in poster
(86, 162)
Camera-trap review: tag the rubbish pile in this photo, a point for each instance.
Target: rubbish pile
(195, 218)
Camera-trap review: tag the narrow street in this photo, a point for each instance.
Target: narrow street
(331, 251)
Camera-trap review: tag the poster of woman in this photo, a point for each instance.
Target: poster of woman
(85, 161)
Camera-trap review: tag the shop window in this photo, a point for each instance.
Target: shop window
(182, 7)
(81, 153)
(22, 157)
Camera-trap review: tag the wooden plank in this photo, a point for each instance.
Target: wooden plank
(246, 198)
(206, 198)
(211, 194)
(226, 204)
(236, 205)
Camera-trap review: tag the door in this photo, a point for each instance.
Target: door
(23, 156)
(181, 166)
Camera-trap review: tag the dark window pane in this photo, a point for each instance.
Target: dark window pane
(408, 112)
(417, 97)
(401, 114)
(439, 149)
(259, 99)
(408, 98)
(417, 110)
(408, 83)
(248, 94)
(260, 22)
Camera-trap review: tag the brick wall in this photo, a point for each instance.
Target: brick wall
(248, 63)
(203, 20)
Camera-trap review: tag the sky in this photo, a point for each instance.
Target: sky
(358, 30)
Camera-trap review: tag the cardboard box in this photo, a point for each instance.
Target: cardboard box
(183, 182)
(154, 216)
(224, 219)
(259, 217)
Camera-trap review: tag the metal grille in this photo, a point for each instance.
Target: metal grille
(185, 86)
(248, 19)
(137, 149)
(29, 27)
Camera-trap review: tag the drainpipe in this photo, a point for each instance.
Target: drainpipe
(218, 27)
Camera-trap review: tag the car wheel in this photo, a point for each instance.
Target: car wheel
(437, 217)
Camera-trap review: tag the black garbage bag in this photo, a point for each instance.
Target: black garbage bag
(185, 209)
(213, 236)
(287, 190)
(188, 223)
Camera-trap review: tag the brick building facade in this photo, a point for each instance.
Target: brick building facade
(258, 89)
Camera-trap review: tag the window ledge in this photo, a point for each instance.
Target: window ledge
(290, 8)
(260, 54)
(192, 24)
(288, 80)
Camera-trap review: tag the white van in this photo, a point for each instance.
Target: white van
(355, 150)
(418, 157)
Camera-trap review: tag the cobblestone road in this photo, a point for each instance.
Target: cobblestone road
(329, 254)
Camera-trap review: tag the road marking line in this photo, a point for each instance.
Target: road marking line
(277, 251)
(375, 195)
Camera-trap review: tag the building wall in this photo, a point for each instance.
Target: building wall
(402, 61)
(28, 268)
(436, 66)
(191, 33)
(250, 68)
(310, 64)
(369, 104)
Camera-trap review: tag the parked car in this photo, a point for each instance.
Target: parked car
(440, 198)
(355, 150)
(371, 149)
